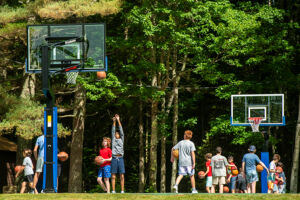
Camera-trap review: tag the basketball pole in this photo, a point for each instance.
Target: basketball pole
(50, 128)
(265, 159)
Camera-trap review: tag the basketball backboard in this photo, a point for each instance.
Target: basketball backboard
(69, 44)
(269, 107)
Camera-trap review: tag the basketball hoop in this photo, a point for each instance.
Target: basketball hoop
(255, 122)
(71, 77)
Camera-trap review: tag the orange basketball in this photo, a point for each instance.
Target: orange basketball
(99, 160)
(101, 75)
(175, 153)
(63, 156)
(225, 189)
(201, 174)
(18, 168)
(235, 172)
(259, 168)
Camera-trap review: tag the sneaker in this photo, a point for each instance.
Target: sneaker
(122, 192)
(114, 192)
(194, 191)
(175, 187)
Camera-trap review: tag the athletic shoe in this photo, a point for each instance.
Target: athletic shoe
(122, 192)
(194, 191)
(175, 187)
(114, 192)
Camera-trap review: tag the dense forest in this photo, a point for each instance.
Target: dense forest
(172, 66)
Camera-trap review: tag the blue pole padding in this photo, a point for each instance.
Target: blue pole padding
(55, 148)
(264, 174)
(45, 153)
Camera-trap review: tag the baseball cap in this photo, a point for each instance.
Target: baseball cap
(252, 148)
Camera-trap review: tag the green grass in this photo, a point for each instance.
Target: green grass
(145, 196)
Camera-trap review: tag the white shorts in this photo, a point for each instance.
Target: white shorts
(218, 180)
(186, 170)
(39, 164)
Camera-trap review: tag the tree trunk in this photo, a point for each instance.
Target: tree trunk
(295, 165)
(153, 147)
(141, 147)
(175, 134)
(163, 151)
(28, 92)
(75, 171)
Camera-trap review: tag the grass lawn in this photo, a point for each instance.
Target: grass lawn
(145, 196)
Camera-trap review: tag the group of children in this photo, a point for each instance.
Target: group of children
(113, 158)
(31, 178)
(219, 170)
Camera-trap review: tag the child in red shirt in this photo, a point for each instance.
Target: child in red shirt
(231, 178)
(105, 170)
(208, 172)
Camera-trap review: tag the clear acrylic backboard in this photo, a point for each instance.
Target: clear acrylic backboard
(269, 107)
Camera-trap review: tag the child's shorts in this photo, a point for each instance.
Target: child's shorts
(117, 165)
(252, 176)
(186, 170)
(275, 188)
(218, 180)
(241, 185)
(29, 178)
(209, 181)
(104, 172)
(232, 184)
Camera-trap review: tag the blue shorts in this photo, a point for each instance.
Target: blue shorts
(251, 176)
(232, 184)
(104, 172)
(117, 165)
(209, 181)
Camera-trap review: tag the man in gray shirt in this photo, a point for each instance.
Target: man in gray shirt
(186, 164)
(218, 165)
(117, 162)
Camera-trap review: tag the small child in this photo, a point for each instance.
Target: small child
(241, 184)
(281, 178)
(208, 172)
(28, 171)
(105, 170)
(271, 177)
(187, 160)
(231, 178)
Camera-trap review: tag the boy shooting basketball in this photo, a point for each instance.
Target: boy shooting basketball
(186, 164)
(117, 162)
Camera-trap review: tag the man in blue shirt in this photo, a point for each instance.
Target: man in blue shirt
(250, 160)
(39, 145)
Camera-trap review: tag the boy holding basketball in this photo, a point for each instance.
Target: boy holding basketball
(231, 177)
(208, 172)
(187, 161)
(28, 171)
(117, 162)
(105, 169)
(249, 166)
(271, 177)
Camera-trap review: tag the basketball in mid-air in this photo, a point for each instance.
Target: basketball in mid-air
(201, 174)
(63, 156)
(18, 168)
(101, 75)
(225, 189)
(99, 160)
(259, 168)
(175, 153)
(235, 172)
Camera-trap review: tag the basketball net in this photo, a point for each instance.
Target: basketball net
(71, 77)
(255, 122)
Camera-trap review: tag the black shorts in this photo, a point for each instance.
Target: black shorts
(241, 185)
(29, 178)
(58, 170)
